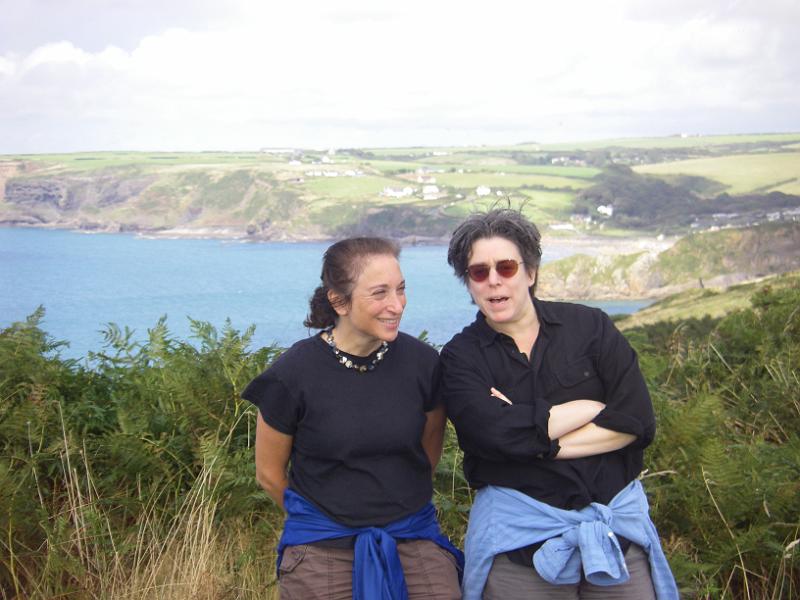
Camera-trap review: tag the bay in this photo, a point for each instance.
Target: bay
(85, 281)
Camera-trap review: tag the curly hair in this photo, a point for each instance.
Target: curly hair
(506, 223)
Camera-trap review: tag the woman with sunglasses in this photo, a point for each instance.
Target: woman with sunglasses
(553, 415)
(354, 411)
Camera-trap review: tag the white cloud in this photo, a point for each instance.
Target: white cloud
(361, 73)
(7, 67)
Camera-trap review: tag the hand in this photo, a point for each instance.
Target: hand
(498, 394)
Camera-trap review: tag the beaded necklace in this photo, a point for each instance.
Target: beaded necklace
(349, 364)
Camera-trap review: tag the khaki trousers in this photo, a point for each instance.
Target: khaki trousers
(310, 572)
(509, 581)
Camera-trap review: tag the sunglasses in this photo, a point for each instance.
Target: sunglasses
(505, 268)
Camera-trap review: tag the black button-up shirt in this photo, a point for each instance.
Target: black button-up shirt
(579, 354)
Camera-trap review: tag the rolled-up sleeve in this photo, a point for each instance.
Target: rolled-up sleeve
(486, 426)
(629, 408)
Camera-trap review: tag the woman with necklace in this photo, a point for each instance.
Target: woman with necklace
(553, 416)
(353, 410)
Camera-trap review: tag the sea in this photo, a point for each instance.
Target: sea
(87, 281)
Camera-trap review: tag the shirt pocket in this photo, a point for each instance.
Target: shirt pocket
(577, 380)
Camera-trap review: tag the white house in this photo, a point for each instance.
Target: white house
(430, 192)
(562, 226)
(605, 209)
(391, 192)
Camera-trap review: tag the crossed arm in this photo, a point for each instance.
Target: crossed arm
(570, 423)
(589, 440)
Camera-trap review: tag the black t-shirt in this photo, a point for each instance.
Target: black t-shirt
(579, 354)
(357, 451)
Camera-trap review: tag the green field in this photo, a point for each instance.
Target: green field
(742, 173)
(502, 180)
(675, 142)
(790, 187)
(569, 172)
(544, 207)
(245, 190)
(698, 141)
(87, 161)
(390, 166)
(353, 188)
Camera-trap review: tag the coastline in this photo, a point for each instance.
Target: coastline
(565, 246)
(555, 247)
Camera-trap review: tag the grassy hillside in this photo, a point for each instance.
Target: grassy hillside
(702, 303)
(255, 195)
(730, 251)
(740, 174)
(674, 202)
(300, 194)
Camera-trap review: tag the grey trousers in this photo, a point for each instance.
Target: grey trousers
(509, 581)
(315, 572)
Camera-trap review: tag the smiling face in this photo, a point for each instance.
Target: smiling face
(375, 308)
(506, 302)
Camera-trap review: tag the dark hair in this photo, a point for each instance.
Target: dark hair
(506, 223)
(342, 263)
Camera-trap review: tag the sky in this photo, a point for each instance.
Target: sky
(240, 75)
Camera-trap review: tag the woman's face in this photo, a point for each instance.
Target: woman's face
(503, 300)
(377, 301)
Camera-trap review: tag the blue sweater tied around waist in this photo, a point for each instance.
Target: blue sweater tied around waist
(577, 541)
(377, 572)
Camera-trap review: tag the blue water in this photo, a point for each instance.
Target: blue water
(87, 281)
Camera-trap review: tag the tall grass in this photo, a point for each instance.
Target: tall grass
(134, 478)
(724, 478)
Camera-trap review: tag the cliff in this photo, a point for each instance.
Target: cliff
(710, 259)
(206, 202)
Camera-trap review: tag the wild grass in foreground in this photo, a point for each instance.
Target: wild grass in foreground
(134, 479)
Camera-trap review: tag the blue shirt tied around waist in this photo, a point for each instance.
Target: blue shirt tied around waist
(377, 572)
(503, 519)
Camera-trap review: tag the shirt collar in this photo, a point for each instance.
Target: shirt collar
(545, 312)
(486, 335)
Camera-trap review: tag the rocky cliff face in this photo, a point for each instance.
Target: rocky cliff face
(582, 277)
(11, 214)
(67, 194)
(71, 201)
(712, 259)
(186, 203)
(7, 170)
(38, 193)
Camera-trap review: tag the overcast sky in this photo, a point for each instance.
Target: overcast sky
(245, 74)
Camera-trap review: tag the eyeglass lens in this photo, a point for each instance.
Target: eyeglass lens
(505, 268)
